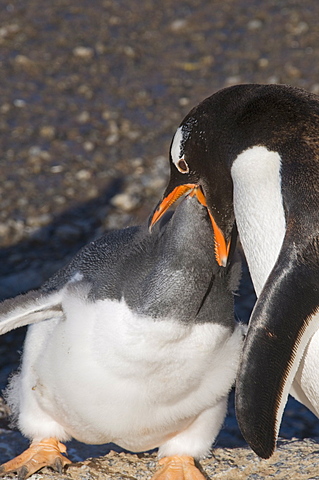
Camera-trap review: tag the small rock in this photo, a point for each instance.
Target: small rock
(57, 169)
(299, 29)
(88, 146)
(36, 152)
(83, 174)
(129, 51)
(132, 134)
(4, 229)
(263, 62)
(109, 115)
(48, 132)
(183, 101)
(83, 52)
(233, 80)
(9, 29)
(23, 60)
(19, 103)
(112, 139)
(178, 24)
(254, 24)
(83, 117)
(136, 162)
(273, 79)
(5, 108)
(59, 199)
(39, 220)
(292, 70)
(125, 201)
(86, 91)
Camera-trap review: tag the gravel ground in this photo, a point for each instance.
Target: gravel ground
(91, 93)
(221, 464)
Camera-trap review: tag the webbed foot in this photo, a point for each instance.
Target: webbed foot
(178, 467)
(46, 453)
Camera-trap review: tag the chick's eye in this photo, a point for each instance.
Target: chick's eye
(182, 166)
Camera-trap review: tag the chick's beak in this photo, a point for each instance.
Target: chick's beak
(221, 246)
(168, 201)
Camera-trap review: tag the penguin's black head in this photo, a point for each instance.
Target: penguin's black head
(197, 159)
(217, 130)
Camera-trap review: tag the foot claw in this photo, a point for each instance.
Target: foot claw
(23, 473)
(57, 465)
(178, 468)
(47, 453)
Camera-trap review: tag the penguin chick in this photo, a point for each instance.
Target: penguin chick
(133, 342)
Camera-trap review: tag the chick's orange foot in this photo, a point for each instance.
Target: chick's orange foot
(178, 467)
(46, 453)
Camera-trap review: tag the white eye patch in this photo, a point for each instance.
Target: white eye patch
(177, 152)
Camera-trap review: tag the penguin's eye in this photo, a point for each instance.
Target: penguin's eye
(182, 166)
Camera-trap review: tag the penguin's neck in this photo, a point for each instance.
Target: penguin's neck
(259, 210)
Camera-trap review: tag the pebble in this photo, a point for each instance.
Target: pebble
(59, 199)
(112, 139)
(23, 60)
(19, 103)
(125, 201)
(86, 91)
(5, 107)
(183, 101)
(57, 168)
(39, 220)
(129, 51)
(88, 146)
(83, 174)
(83, 52)
(254, 24)
(178, 24)
(273, 79)
(114, 135)
(9, 30)
(83, 117)
(233, 80)
(4, 229)
(263, 62)
(48, 132)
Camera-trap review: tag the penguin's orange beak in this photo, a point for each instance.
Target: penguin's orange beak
(221, 246)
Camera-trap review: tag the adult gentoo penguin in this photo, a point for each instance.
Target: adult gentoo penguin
(134, 342)
(254, 150)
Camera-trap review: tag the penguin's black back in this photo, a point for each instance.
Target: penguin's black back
(168, 272)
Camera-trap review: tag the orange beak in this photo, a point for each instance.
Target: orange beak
(221, 246)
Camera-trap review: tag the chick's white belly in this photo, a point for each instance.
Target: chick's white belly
(105, 374)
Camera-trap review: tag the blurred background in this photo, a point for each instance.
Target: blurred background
(91, 93)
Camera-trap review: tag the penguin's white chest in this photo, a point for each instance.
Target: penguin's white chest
(104, 374)
(259, 210)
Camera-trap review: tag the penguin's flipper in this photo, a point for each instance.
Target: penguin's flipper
(178, 467)
(47, 453)
(282, 323)
(32, 307)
